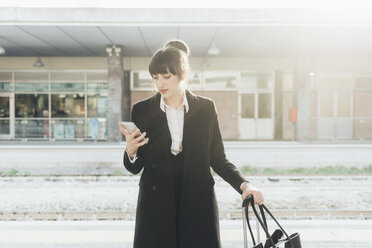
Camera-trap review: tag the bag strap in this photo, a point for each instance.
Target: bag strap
(263, 216)
(272, 216)
(251, 200)
(249, 225)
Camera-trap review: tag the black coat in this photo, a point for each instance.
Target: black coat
(203, 148)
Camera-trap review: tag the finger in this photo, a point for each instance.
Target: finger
(135, 133)
(122, 129)
(139, 138)
(143, 142)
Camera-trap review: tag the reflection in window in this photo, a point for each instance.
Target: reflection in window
(4, 107)
(247, 106)
(31, 105)
(142, 80)
(68, 129)
(71, 105)
(31, 87)
(97, 105)
(32, 128)
(67, 87)
(264, 106)
(5, 86)
(220, 80)
(97, 87)
(4, 127)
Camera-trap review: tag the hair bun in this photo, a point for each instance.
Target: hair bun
(178, 44)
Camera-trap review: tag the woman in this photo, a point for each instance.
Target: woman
(177, 141)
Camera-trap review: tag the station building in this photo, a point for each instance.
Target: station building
(73, 74)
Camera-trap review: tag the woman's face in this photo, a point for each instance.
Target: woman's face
(167, 84)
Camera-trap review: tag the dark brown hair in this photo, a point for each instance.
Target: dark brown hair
(172, 57)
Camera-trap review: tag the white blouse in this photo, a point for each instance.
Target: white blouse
(175, 118)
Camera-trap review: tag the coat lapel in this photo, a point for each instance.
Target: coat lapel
(161, 134)
(188, 127)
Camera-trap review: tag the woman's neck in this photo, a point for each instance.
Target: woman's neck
(175, 100)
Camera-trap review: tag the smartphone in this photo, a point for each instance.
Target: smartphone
(130, 127)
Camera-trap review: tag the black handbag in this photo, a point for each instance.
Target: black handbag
(274, 240)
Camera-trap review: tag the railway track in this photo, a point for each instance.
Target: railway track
(231, 215)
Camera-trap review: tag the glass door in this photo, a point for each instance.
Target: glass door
(256, 120)
(6, 115)
(335, 115)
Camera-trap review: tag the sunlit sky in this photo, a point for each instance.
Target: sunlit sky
(276, 4)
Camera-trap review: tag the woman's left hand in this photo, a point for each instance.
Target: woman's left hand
(249, 189)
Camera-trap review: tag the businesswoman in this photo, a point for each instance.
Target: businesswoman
(177, 141)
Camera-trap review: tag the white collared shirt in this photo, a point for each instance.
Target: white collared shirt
(175, 119)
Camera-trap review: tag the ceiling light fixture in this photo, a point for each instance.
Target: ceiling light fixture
(2, 50)
(38, 63)
(213, 50)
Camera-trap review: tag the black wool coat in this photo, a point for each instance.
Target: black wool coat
(203, 148)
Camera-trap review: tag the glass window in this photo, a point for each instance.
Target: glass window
(194, 80)
(31, 87)
(97, 81)
(97, 105)
(142, 80)
(287, 80)
(264, 106)
(343, 105)
(32, 128)
(247, 106)
(31, 105)
(97, 128)
(68, 129)
(326, 103)
(256, 80)
(220, 80)
(4, 106)
(4, 127)
(68, 105)
(5, 87)
(97, 87)
(5, 81)
(334, 83)
(364, 82)
(67, 87)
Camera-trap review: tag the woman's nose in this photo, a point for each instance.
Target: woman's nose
(160, 83)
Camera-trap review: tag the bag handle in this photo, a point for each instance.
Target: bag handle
(263, 207)
(245, 205)
(272, 216)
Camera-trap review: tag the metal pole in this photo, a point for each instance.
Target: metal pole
(244, 229)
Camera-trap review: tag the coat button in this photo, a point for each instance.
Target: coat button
(153, 187)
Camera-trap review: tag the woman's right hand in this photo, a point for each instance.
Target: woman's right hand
(134, 139)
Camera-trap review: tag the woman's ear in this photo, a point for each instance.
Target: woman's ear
(184, 74)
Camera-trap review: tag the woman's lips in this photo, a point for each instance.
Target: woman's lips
(163, 91)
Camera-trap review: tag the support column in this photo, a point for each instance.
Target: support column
(278, 132)
(115, 89)
(303, 101)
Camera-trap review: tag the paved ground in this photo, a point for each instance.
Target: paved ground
(89, 158)
(115, 234)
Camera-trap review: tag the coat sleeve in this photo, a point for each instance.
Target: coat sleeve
(222, 166)
(138, 164)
